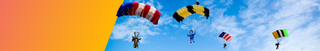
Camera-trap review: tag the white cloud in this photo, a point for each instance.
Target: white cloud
(125, 30)
(158, 29)
(164, 33)
(256, 8)
(208, 2)
(184, 27)
(150, 3)
(229, 2)
(173, 38)
(211, 7)
(176, 26)
(318, 8)
(159, 6)
(140, 1)
(222, 1)
(165, 19)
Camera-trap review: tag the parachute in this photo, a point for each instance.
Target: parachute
(280, 33)
(184, 12)
(225, 36)
(139, 9)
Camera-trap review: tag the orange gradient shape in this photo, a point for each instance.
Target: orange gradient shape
(56, 25)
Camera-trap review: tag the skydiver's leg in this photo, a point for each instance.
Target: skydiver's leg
(137, 46)
(193, 41)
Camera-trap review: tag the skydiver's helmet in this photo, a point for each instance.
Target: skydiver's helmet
(191, 31)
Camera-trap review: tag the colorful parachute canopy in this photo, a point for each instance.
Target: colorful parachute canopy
(280, 33)
(225, 36)
(184, 12)
(139, 9)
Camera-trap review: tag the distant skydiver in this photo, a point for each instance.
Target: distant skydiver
(191, 36)
(280, 35)
(135, 39)
(225, 36)
(277, 44)
(224, 45)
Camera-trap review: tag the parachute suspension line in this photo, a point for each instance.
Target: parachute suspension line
(185, 22)
(122, 14)
(137, 23)
(194, 18)
(128, 12)
(140, 27)
(124, 17)
(140, 24)
(191, 21)
(129, 19)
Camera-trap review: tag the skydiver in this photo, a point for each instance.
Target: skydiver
(191, 36)
(224, 45)
(135, 39)
(277, 44)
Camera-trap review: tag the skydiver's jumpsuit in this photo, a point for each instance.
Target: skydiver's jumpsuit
(224, 45)
(191, 37)
(135, 39)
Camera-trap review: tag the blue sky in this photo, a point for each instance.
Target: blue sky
(249, 22)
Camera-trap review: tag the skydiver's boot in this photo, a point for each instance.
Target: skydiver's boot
(134, 46)
(194, 42)
(137, 47)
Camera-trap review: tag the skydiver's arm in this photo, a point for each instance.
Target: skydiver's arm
(139, 39)
(187, 35)
(132, 38)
